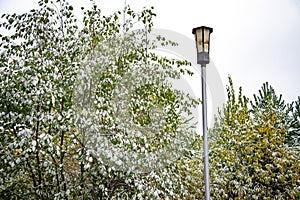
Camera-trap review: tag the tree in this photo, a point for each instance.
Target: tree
(249, 155)
(293, 134)
(73, 124)
(289, 112)
(38, 67)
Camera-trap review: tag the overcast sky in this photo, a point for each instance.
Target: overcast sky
(253, 40)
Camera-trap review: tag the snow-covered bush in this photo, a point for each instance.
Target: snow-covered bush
(87, 109)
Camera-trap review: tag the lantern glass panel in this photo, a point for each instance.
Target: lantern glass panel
(206, 40)
(199, 40)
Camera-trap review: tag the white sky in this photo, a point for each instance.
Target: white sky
(253, 40)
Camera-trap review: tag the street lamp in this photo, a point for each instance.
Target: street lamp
(202, 37)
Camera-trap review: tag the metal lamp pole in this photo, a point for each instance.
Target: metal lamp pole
(202, 37)
(205, 136)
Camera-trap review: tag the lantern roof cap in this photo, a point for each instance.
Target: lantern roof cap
(202, 27)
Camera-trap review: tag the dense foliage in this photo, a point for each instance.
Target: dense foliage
(87, 111)
(253, 155)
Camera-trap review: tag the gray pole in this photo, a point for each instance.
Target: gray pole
(205, 135)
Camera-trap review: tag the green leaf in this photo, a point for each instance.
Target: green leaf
(11, 20)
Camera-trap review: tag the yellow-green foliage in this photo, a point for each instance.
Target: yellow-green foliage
(249, 159)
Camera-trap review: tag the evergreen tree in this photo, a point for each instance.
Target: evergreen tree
(249, 158)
